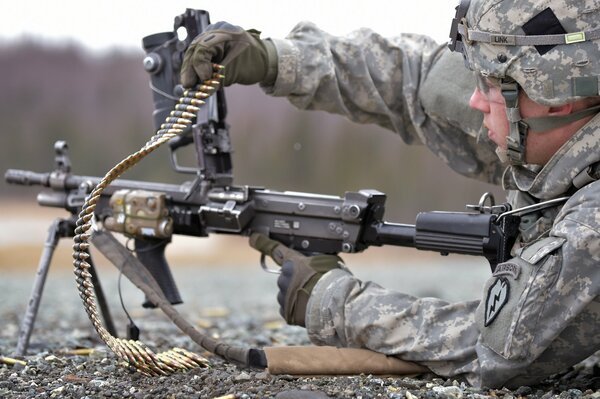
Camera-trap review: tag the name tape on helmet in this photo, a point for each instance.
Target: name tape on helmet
(472, 35)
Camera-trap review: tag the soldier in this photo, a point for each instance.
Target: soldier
(535, 69)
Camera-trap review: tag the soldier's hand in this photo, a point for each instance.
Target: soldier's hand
(248, 58)
(299, 275)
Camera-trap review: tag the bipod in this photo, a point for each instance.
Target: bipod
(60, 228)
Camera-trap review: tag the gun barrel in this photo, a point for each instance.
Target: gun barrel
(62, 181)
(55, 180)
(27, 178)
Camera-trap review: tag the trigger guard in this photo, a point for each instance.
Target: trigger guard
(266, 268)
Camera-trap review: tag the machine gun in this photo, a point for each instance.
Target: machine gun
(151, 213)
(310, 223)
(210, 203)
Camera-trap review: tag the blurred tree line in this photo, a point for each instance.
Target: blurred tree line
(101, 104)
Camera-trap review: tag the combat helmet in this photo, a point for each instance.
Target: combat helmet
(548, 48)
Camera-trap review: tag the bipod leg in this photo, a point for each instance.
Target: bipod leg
(59, 228)
(38, 288)
(108, 321)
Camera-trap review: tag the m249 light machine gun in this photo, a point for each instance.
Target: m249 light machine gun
(151, 213)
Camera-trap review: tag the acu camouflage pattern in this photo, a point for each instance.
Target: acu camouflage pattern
(409, 84)
(550, 319)
(547, 79)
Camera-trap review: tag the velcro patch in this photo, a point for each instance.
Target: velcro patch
(539, 249)
(497, 297)
(544, 23)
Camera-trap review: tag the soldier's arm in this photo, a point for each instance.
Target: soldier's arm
(344, 311)
(538, 314)
(408, 84)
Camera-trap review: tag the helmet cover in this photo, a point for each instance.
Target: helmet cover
(551, 48)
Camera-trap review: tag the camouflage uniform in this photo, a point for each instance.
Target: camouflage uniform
(540, 310)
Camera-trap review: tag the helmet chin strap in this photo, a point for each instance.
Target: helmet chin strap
(501, 154)
(517, 137)
(519, 128)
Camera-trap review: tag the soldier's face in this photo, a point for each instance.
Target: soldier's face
(488, 99)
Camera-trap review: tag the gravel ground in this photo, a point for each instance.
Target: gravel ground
(236, 304)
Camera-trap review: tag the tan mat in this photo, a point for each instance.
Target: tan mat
(328, 360)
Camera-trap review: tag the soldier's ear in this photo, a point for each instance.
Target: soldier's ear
(561, 110)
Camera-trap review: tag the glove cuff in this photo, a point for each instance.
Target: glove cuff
(298, 293)
(272, 63)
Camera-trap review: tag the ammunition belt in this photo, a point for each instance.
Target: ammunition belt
(133, 352)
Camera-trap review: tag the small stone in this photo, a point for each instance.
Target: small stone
(452, 392)
(51, 358)
(72, 378)
(547, 395)
(286, 377)
(299, 394)
(243, 376)
(523, 391)
(19, 366)
(376, 381)
(408, 384)
(98, 353)
(410, 395)
(97, 383)
(575, 393)
(110, 369)
(262, 376)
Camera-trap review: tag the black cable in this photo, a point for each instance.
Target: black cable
(133, 332)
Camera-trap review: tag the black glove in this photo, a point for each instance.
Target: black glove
(247, 58)
(299, 275)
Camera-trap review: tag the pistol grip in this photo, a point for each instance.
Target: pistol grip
(151, 252)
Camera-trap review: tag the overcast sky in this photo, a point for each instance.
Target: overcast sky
(101, 25)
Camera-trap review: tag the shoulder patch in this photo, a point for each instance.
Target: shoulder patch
(510, 269)
(497, 297)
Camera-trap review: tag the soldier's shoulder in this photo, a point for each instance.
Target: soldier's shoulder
(584, 206)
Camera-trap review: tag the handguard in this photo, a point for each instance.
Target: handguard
(488, 230)
(467, 233)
